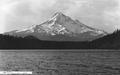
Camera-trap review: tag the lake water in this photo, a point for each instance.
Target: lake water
(62, 62)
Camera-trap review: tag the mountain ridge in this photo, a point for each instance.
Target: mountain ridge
(60, 26)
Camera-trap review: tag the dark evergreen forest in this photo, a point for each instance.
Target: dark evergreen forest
(111, 41)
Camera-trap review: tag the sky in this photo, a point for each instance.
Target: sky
(19, 14)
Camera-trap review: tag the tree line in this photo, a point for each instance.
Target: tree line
(110, 41)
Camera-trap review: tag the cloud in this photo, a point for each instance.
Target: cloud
(17, 14)
(5, 7)
(95, 13)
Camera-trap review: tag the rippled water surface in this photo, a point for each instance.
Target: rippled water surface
(58, 62)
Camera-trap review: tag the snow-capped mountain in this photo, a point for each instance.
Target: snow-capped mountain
(61, 28)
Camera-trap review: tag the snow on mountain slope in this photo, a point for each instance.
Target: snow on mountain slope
(62, 25)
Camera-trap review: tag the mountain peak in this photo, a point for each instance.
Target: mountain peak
(59, 18)
(59, 13)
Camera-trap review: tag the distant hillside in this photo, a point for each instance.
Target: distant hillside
(30, 42)
(111, 41)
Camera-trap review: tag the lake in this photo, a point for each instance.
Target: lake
(62, 62)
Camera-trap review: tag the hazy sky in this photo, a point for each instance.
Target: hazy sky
(17, 14)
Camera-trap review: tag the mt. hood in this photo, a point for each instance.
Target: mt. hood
(61, 28)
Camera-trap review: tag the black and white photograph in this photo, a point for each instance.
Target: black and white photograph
(59, 37)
